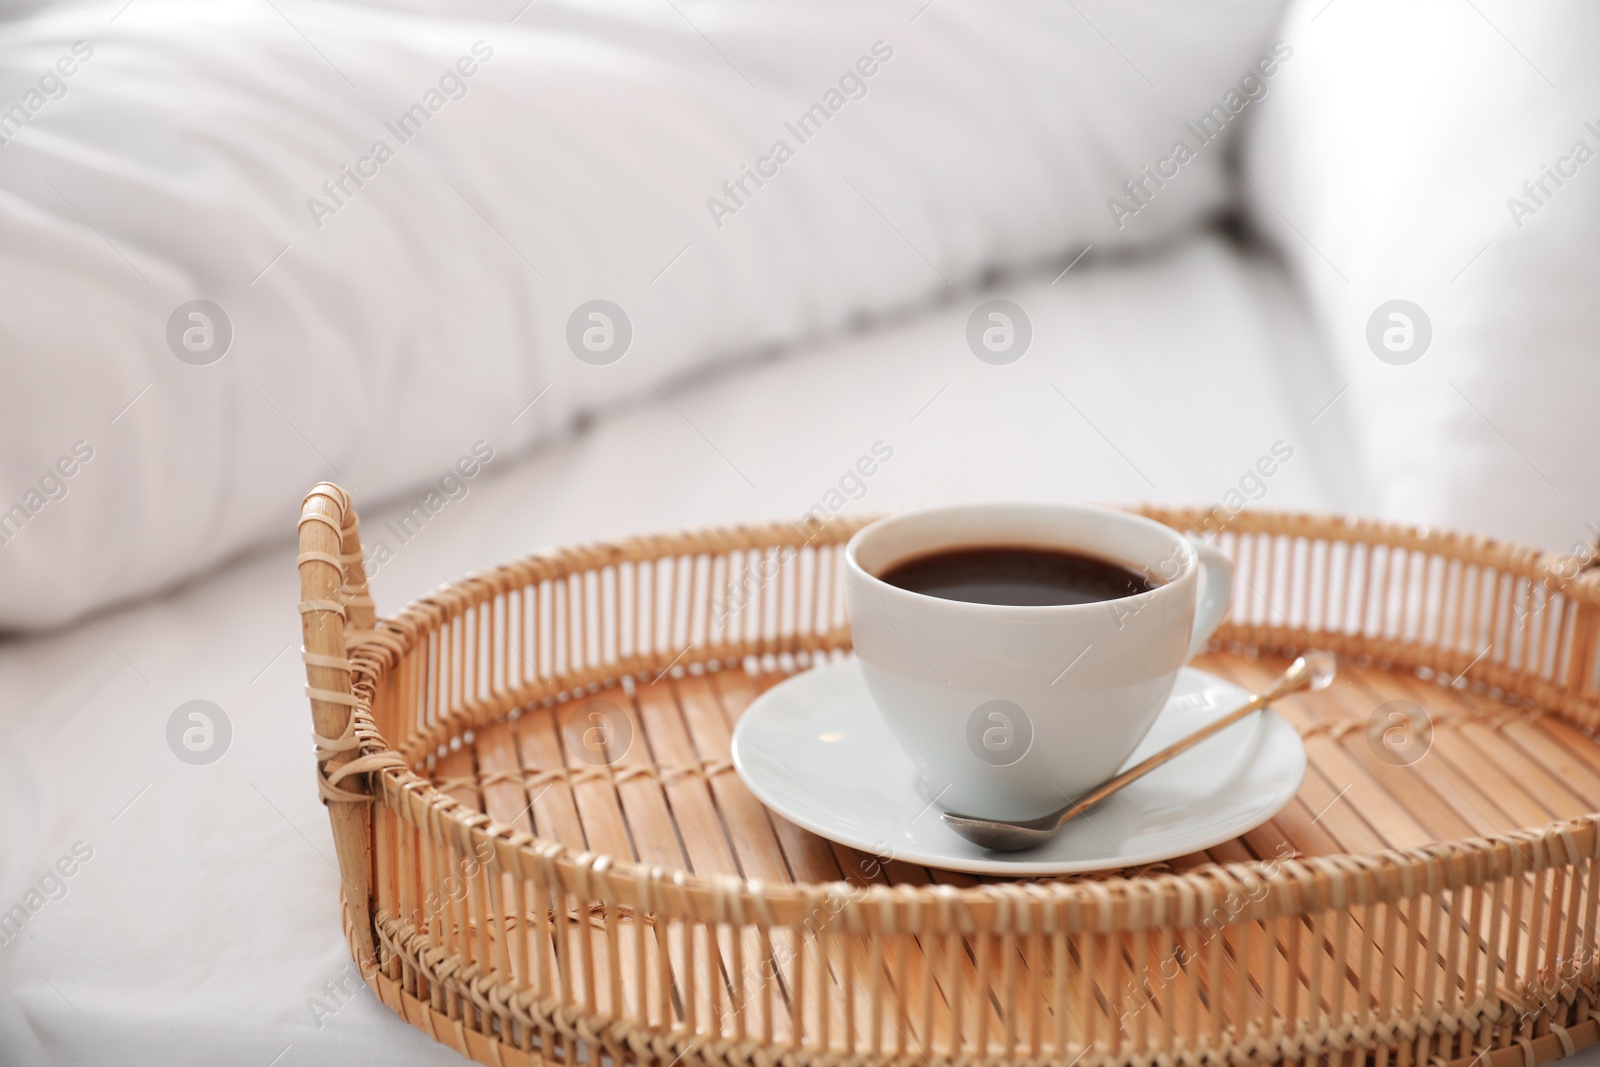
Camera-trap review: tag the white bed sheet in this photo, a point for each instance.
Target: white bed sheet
(206, 919)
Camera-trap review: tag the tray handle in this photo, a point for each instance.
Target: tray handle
(336, 608)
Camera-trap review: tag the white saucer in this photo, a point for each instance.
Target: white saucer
(816, 750)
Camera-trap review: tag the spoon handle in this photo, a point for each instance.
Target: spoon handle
(1295, 679)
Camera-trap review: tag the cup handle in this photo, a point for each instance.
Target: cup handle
(1216, 595)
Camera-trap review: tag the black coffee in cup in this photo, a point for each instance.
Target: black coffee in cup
(1016, 575)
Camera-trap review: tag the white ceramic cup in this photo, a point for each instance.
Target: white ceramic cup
(1012, 712)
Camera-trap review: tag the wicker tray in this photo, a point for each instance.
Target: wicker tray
(520, 903)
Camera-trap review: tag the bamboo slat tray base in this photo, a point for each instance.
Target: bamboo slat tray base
(1488, 770)
(1476, 768)
(1431, 896)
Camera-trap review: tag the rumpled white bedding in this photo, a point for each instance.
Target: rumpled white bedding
(391, 306)
(1444, 154)
(206, 920)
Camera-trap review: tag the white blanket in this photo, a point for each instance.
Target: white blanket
(399, 216)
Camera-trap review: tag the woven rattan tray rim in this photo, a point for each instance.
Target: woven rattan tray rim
(1140, 901)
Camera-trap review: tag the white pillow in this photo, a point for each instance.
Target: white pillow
(396, 312)
(1399, 160)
